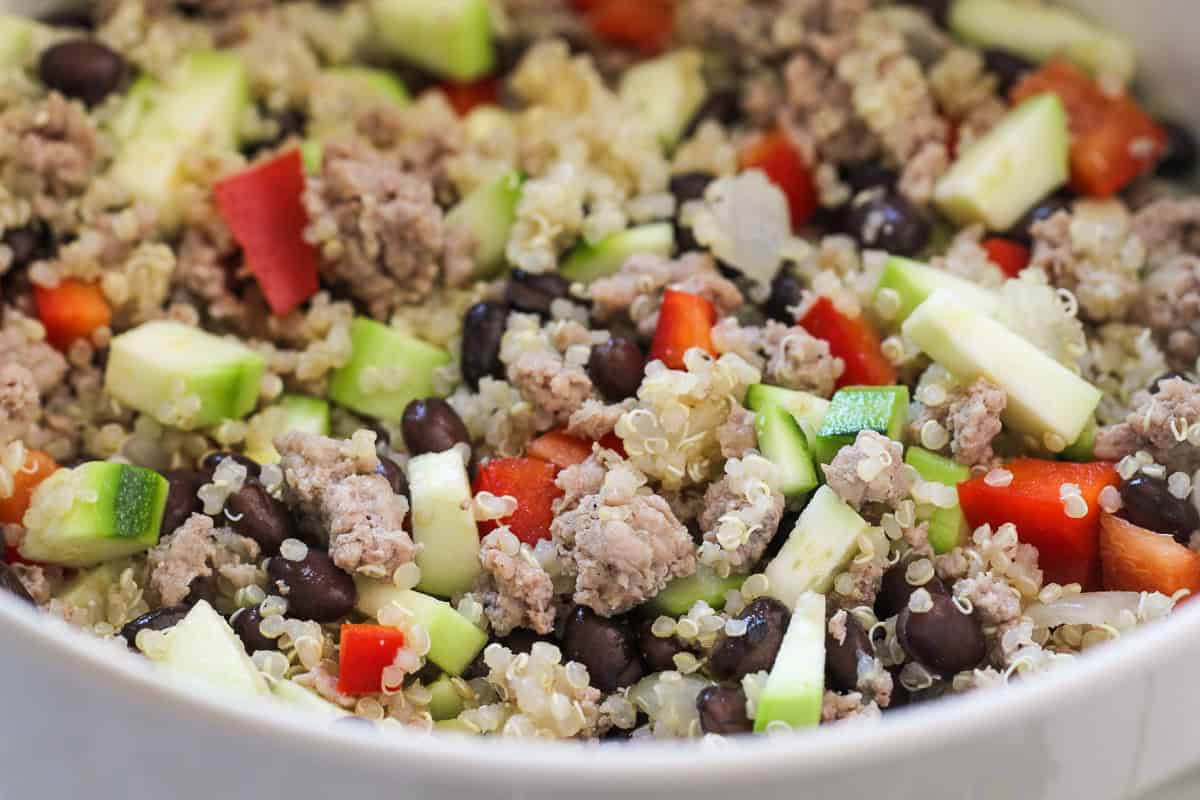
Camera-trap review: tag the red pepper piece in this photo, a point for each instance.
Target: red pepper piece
(263, 207)
(1138, 560)
(37, 467)
(776, 156)
(684, 321)
(466, 97)
(560, 448)
(1011, 257)
(364, 652)
(1068, 547)
(72, 310)
(531, 482)
(1113, 140)
(853, 340)
(644, 25)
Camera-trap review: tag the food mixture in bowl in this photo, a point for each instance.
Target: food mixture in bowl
(605, 369)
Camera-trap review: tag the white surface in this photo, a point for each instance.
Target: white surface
(82, 720)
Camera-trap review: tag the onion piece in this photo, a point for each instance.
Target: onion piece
(745, 221)
(1090, 608)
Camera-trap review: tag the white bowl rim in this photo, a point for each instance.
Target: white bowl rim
(562, 764)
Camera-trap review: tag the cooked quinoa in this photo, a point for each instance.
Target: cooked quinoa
(583, 382)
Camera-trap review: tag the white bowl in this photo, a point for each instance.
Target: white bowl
(83, 719)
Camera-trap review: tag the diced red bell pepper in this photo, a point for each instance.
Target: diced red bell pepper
(778, 158)
(364, 651)
(685, 321)
(1128, 144)
(1068, 547)
(560, 448)
(466, 97)
(1138, 560)
(72, 310)
(1113, 140)
(564, 450)
(37, 467)
(644, 25)
(853, 340)
(1011, 257)
(531, 482)
(263, 207)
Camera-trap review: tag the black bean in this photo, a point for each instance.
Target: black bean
(944, 639)
(83, 68)
(868, 175)
(894, 590)
(616, 368)
(1154, 387)
(29, 243)
(1179, 161)
(882, 219)
(723, 710)
(901, 696)
(937, 9)
(157, 620)
(786, 292)
(202, 587)
(245, 624)
(254, 513)
(658, 652)
(182, 501)
(689, 186)
(395, 476)
(1022, 229)
(209, 463)
(9, 582)
(685, 240)
(607, 647)
(533, 292)
(1006, 66)
(723, 105)
(734, 657)
(483, 327)
(431, 426)
(842, 658)
(1145, 501)
(314, 587)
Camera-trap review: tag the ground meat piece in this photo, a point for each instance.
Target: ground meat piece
(192, 551)
(50, 151)
(202, 266)
(1160, 424)
(19, 400)
(579, 481)
(1170, 306)
(323, 679)
(1101, 270)
(378, 228)
(1169, 227)
(736, 434)
(38, 580)
(922, 172)
(798, 360)
(365, 520)
(974, 420)
(741, 515)
(420, 138)
(334, 485)
(516, 591)
(993, 599)
(595, 419)
(22, 343)
(312, 463)
(621, 544)
(971, 417)
(837, 707)
(686, 504)
(549, 384)
(859, 584)
(870, 471)
(636, 288)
